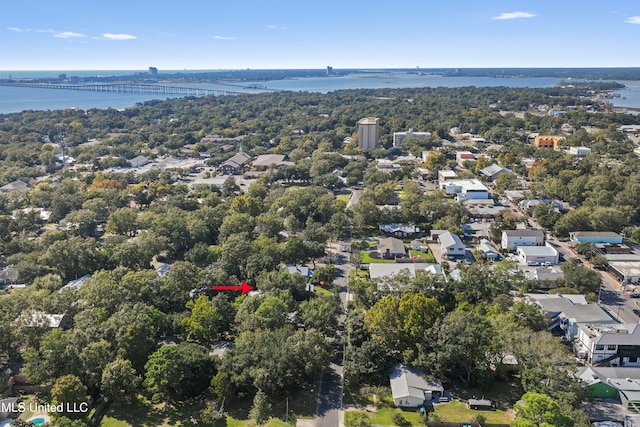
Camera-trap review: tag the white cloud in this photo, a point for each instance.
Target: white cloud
(633, 20)
(109, 36)
(69, 35)
(514, 15)
(16, 29)
(223, 38)
(276, 27)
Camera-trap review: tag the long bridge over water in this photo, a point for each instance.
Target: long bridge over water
(132, 88)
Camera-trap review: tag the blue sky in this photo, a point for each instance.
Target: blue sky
(232, 34)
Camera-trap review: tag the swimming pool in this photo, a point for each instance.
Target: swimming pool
(38, 421)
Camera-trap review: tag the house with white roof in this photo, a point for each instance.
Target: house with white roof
(381, 270)
(512, 239)
(410, 389)
(537, 255)
(463, 189)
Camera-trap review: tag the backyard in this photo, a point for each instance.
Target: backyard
(380, 411)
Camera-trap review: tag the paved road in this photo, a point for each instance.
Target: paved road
(613, 297)
(328, 411)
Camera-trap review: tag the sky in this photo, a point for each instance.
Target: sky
(285, 34)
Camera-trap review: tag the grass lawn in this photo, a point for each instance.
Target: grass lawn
(457, 411)
(143, 413)
(384, 417)
(366, 258)
(427, 256)
(344, 197)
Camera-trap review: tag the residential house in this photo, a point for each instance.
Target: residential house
(451, 246)
(596, 237)
(76, 284)
(409, 388)
(607, 343)
(138, 161)
(579, 151)
(381, 270)
(603, 381)
(492, 172)
(547, 277)
(537, 255)
(476, 230)
(235, 165)
(488, 251)
(400, 230)
(390, 248)
(527, 204)
(9, 275)
(511, 239)
(42, 319)
(303, 271)
(18, 186)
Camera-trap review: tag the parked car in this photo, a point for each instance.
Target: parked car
(636, 312)
(634, 295)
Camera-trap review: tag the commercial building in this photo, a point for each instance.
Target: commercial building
(512, 239)
(547, 141)
(398, 137)
(537, 255)
(368, 132)
(464, 189)
(596, 237)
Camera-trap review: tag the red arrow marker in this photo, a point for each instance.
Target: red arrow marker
(244, 287)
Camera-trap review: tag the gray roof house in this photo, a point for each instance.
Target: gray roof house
(451, 245)
(390, 248)
(17, 185)
(493, 171)
(410, 389)
(486, 248)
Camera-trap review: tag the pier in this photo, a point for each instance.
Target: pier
(131, 88)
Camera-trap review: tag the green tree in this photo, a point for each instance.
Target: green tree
(69, 391)
(123, 221)
(178, 371)
(203, 324)
(261, 408)
(539, 410)
(119, 380)
(320, 313)
(456, 334)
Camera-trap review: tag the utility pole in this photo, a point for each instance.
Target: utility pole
(287, 412)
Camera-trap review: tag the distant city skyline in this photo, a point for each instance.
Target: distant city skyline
(205, 35)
